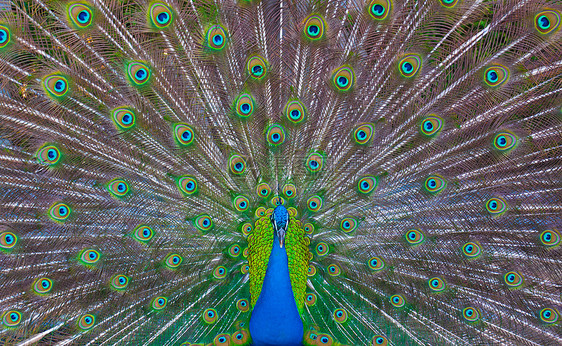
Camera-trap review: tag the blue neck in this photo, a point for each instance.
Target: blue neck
(275, 319)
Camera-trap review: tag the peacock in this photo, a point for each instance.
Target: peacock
(280, 172)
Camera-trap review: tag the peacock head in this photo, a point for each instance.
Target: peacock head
(280, 221)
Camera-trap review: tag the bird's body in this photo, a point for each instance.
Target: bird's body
(415, 146)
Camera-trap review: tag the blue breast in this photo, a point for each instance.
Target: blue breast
(275, 319)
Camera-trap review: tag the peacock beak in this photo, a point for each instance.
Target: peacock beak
(281, 236)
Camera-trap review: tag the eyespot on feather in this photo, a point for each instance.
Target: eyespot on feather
(434, 184)
(210, 316)
(547, 21)
(289, 190)
(363, 133)
(216, 38)
(431, 125)
(234, 250)
(241, 203)
(187, 185)
(86, 321)
(496, 206)
(436, 284)
(11, 318)
(220, 272)
(549, 315)
(471, 250)
(203, 223)
(379, 340)
(397, 301)
(80, 15)
(471, 314)
(496, 75)
(59, 212)
(340, 316)
(275, 135)
(159, 303)
(334, 270)
(314, 162)
(367, 184)
(89, 257)
(504, 141)
(308, 228)
(244, 105)
(8, 240)
(143, 233)
(118, 188)
(295, 111)
(263, 190)
(256, 67)
(5, 36)
(120, 282)
(322, 249)
(348, 224)
(173, 261)
(448, 3)
(160, 15)
(184, 134)
(379, 9)
(513, 279)
(409, 65)
(376, 263)
(138, 73)
(314, 27)
(237, 164)
(240, 337)
(343, 78)
(550, 238)
(415, 237)
(43, 286)
(123, 118)
(243, 305)
(314, 203)
(310, 299)
(56, 85)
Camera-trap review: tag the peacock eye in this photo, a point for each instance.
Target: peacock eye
(314, 162)
(379, 9)
(314, 203)
(80, 15)
(471, 250)
(49, 155)
(56, 85)
(241, 203)
(549, 315)
(120, 282)
(89, 257)
(159, 303)
(184, 134)
(436, 284)
(496, 75)
(203, 222)
(431, 125)
(139, 73)
(4, 36)
(123, 118)
(547, 21)
(471, 314)
(8, 240)
(244, 105)
(449, 3)
(256, 67)
(173, 261)
(343, 78)
(275, 135)
(409, 65)
(363, 133)
(118, 188)
(187, 185)
(216, 38)
(160, 15)
(435, 184)
(210, 316)
(314, 27)
(59, 212)
(415, 237)
(295, 111)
